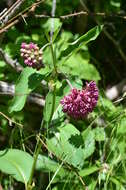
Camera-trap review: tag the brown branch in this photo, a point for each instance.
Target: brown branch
(25, 13)
(9, 89)
(10, 120)
(1, 187)
(115, 91)
(13, 63)
(3, 11)
(81, 180)
(10, 24)
(11, 11)
(102, 14)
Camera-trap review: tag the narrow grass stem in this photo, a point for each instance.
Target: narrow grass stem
(38, 144)
(38, 148)
(35, 156)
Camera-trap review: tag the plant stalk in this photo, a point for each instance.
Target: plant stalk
(38, 144)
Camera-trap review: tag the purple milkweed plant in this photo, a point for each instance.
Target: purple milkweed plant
(79, 103)
(31, 54)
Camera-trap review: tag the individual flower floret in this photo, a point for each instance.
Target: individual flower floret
(79, 103)
(32, 55)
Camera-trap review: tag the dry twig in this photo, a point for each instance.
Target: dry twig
(25, 13)
(10, 120)
(6, 15)
(13, 63)
(115, 91)
(1, 187)
(101, 14)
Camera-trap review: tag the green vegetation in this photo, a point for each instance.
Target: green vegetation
(41, 147)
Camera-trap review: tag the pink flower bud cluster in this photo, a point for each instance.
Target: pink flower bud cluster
(31, 54)
(79, 103)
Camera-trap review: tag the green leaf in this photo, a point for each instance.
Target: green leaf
(121, 129)
(66, 145)
(91, 35)
(89, 142)
(2, 63)
(22, 38)
(45, 164)
(77, 66)
(16, 163)
(56, 33)
(92, 185)
(48, 106)
(48, 25)
(99, 133)
(88, 171)
(27, 82)
(117, 183)
(115, 3)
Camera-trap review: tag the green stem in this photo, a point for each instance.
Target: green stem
(35, 160)
(38, 144)
(54, 59)
(38, 148)
(36, 153)
(54, 90)
(53, 104)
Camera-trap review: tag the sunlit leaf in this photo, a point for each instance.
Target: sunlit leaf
(16, 163)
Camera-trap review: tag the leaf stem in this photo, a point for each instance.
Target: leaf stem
(35, 156)
(53, 104)
(38, 144)
(56, 74)
(53, 58)
(35, 160)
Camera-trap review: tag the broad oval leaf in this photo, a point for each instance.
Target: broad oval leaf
(45, 164)
(17, 163)
(27, 82)
(67, 145)
(89, 142)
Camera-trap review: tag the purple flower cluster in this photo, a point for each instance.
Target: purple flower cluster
(79, 103)
(31, 54)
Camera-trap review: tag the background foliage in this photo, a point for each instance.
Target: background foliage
(91, 151)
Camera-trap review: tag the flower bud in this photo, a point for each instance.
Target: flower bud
(32, 55)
